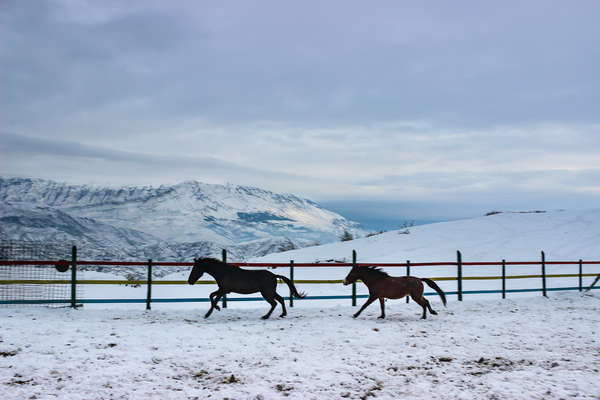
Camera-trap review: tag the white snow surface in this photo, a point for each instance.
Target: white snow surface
(533, 348)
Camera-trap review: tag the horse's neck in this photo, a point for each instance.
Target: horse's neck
(215, 270)
(370, 278)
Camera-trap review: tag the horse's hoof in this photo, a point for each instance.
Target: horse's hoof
(381, 317)
(433, 312)
(206, 316)
(217, 308)
(354, 316)
(282, 315)
(264, 317)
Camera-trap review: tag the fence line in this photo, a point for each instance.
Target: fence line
(74, 301)
(301, 281)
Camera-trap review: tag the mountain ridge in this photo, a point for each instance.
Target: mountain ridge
(165, 222)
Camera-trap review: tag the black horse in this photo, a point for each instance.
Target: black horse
(235, 279)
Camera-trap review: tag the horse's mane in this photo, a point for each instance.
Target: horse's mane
(375, 270)
(211, 260)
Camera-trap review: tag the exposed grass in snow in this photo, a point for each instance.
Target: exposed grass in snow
(495, 349)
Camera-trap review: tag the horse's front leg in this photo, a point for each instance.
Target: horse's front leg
(369, 301)
(213, 304)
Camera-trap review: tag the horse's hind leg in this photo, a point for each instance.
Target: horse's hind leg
(271, 300)
(282, 302)
(423, 303)
(431, 310)
(382, 302)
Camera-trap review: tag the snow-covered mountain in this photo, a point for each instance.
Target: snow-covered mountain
(166, 222)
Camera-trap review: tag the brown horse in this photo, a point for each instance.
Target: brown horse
(382, 286)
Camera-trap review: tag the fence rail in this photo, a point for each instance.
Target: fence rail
(149, 282)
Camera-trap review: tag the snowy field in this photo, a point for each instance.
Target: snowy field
(532, 348)
(524, 347)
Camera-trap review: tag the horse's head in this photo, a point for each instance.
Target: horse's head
(197, 271)
(352, 276)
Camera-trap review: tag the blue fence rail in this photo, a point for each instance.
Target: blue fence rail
(206, 300)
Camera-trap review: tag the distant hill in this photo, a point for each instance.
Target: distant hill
(517, 236)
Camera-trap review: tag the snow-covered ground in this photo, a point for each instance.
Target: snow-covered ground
(525, 346)
(534, 348)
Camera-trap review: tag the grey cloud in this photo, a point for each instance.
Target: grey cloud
(525, 183)
(82, 163)
(18, 145)
(310, 97)
(469, 65)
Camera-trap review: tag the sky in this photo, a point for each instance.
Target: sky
(387, 111)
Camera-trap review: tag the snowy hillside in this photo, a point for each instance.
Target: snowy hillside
(167, 222)
(563, 235)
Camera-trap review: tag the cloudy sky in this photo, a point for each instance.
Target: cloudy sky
(388, 109)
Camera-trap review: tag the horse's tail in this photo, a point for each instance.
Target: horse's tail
(434, 286)
(292, 287)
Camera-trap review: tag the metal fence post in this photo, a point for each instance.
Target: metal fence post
(407, 274)
(544, 275)
(459, 274)
(224, 256)
(149, 285)
(74, 277)
(291, 279)
(503, 278)
(353, 283)
(580, 275)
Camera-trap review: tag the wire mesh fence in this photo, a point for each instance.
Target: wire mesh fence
(37, 282)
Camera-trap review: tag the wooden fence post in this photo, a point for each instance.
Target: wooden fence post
(544, 275)
(224, 256)
(459, 274)
(407, 274)
(353, 283)
(503, 278)
(291, 279)
(149, 285)
(580, 275)
(74, 277)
